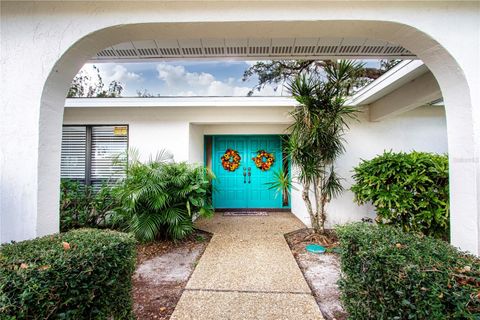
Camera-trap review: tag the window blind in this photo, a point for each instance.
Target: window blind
(74, 149)
(108, 154)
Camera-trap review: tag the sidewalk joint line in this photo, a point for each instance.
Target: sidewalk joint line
(249, 291)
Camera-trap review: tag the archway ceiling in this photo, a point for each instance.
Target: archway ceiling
(253, 49)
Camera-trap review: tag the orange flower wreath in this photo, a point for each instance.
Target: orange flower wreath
(231, 160)
(259, 160)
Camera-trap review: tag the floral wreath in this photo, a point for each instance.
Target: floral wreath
(264, 165)
(231, 160)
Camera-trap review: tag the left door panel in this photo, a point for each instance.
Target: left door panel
(229, 187)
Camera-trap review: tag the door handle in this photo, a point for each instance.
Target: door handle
(249, 175)
(244, 175)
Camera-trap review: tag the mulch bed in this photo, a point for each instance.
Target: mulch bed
(156, 298)
(320, 270)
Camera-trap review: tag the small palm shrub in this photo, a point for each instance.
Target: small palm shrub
(161, 199)
(282, 184)
(82, 207)
(409, 190)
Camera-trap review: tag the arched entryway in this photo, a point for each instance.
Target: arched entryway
(40, 215)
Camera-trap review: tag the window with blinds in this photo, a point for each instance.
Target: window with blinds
(94, 154)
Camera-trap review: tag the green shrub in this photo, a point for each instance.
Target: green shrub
(407, 189)
(161, 199)
(81, 207)
(391, 274)
(81, 274)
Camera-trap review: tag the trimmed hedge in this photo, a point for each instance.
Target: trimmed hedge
(390, 274)
(80, 274)
(409, 190)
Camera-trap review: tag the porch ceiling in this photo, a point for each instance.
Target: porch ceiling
(252, 49)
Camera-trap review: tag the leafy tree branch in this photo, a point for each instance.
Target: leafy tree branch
(86, 86)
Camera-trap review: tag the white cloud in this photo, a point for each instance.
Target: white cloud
(118, 72)
(178, 81)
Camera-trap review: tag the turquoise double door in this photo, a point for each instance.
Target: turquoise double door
(246, 186)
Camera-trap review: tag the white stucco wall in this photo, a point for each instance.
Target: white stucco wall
(242, 128)
(422, 129)
(196, 144)
(179, 131)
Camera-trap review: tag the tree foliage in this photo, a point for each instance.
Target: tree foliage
(84, 86)
(279, 72)
(316, 135)
(144, 93)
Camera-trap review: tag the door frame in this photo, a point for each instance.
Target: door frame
(210, 138)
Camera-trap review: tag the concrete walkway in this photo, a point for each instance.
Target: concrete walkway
(248, 272)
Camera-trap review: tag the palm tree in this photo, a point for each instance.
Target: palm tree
(316, 135)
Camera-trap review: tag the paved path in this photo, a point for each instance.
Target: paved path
(248, 272)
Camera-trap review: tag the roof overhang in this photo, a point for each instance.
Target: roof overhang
(398, 76)
(166, 102)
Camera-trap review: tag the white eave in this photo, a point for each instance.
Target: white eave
(165, 102)
(402, 73)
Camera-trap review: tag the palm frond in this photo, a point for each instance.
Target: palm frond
(145, 226)
(281, 183)
(333, 186)
(162, 156)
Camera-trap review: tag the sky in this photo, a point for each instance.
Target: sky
(184, 78)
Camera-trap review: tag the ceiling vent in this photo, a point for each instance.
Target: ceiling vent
(192, 51)
(282, 50)
(236, 51)
(165, 52)
(327, 49)
(259, 51)
(349, 50)
(372, 49)
(307, 50)
(126, 52)
(255, 48)
(148, 52)
(396, 50)
(107, 53)
(216, 51)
